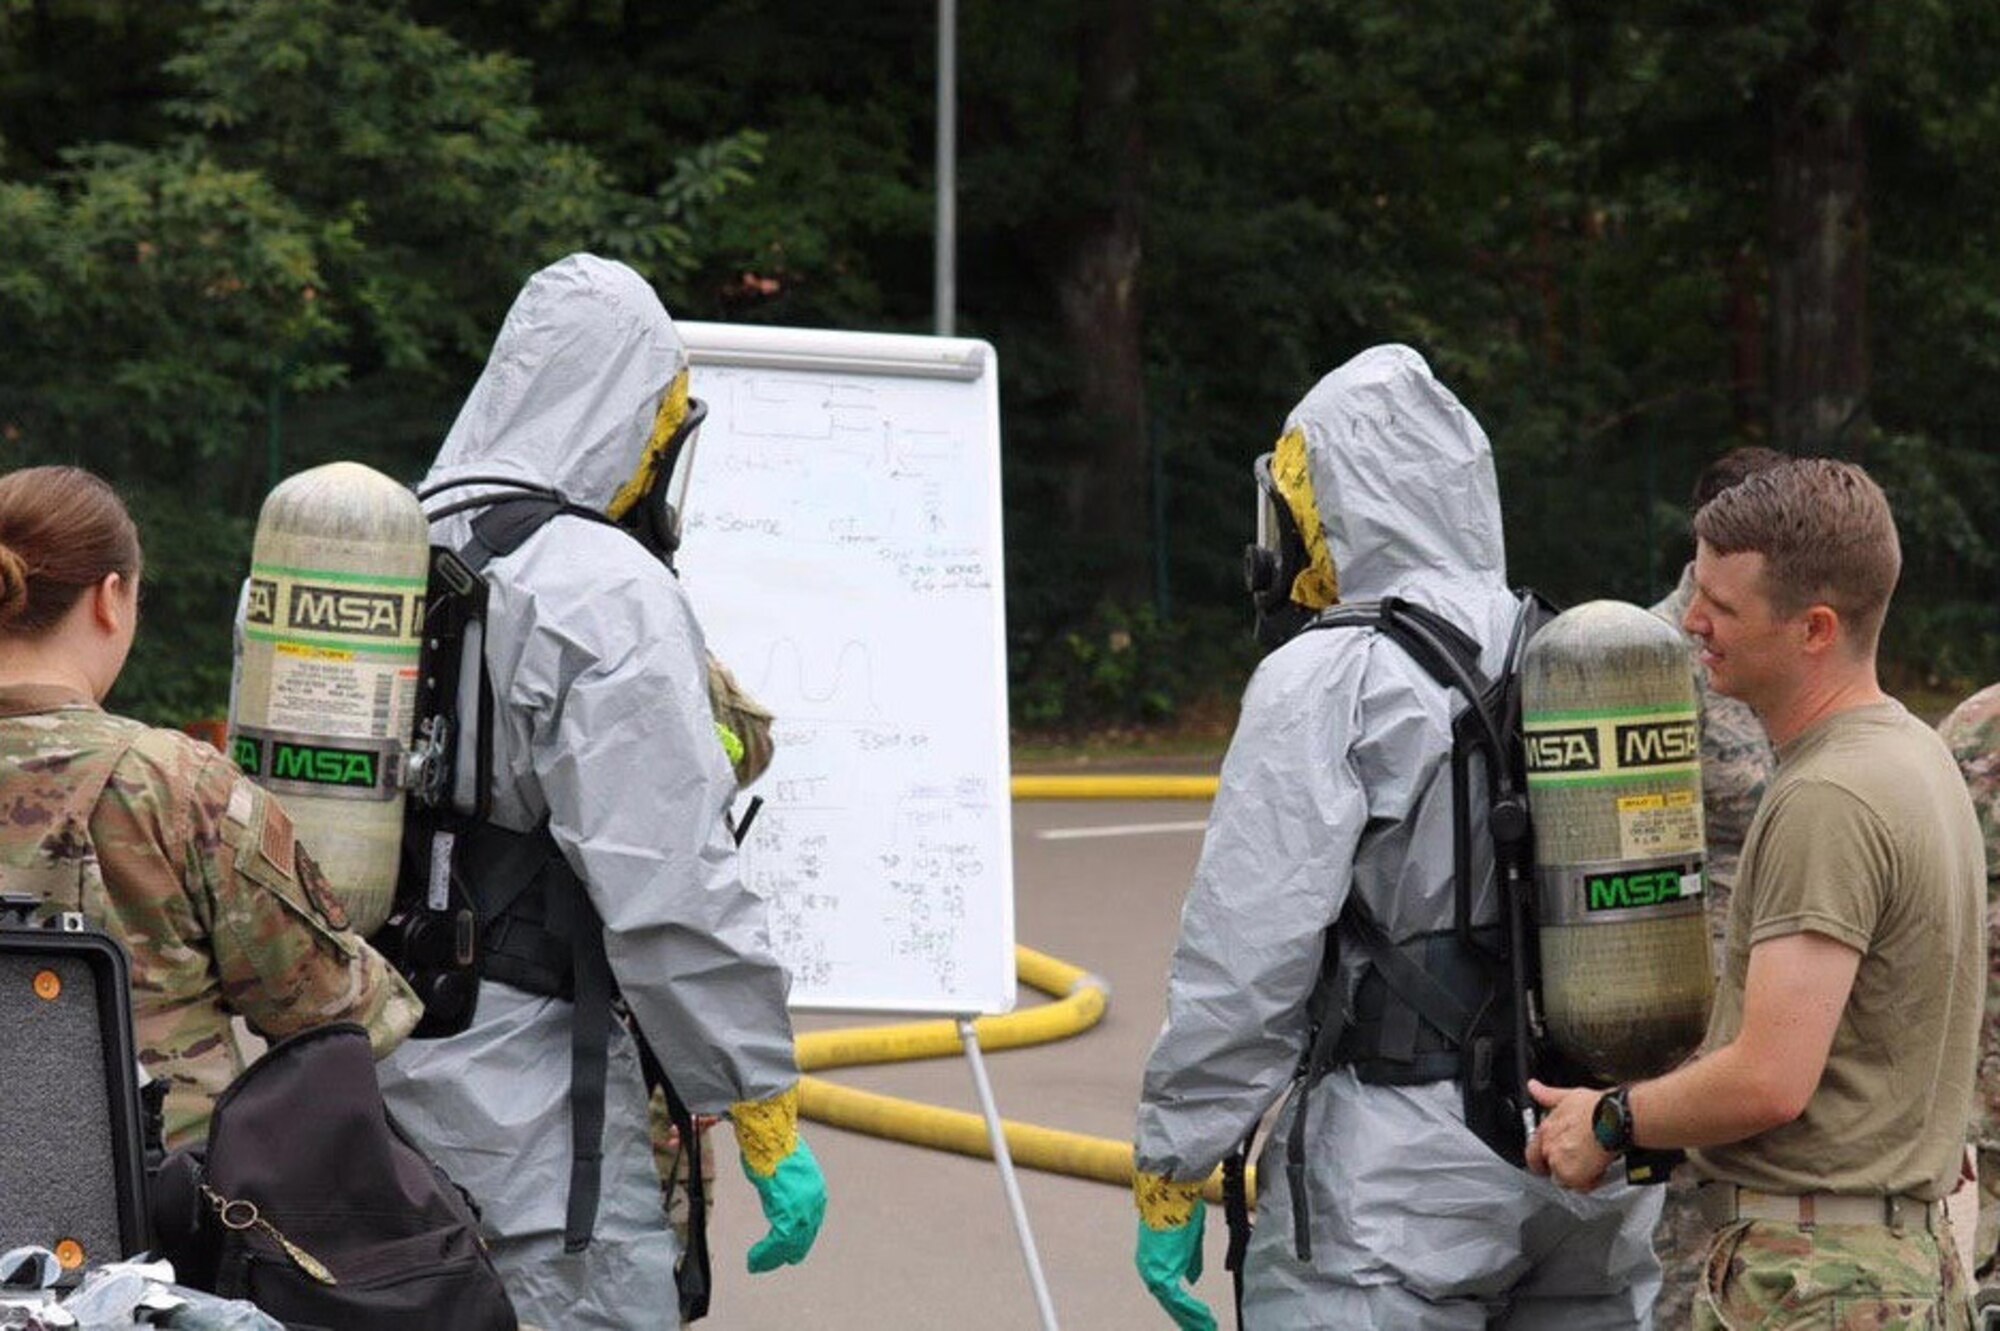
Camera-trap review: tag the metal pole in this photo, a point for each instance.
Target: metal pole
(970, 1034)
(945, 287)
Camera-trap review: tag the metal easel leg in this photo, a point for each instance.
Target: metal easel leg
(969, 1034)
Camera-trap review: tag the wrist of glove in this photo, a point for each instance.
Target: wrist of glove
(789, 1184)
(1164, 1203)
(1171, 1222)
(766, 1131)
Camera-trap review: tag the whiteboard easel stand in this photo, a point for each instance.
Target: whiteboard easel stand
(969, 1033)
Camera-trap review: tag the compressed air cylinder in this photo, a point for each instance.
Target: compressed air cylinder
(1614, 788)
(325, 693)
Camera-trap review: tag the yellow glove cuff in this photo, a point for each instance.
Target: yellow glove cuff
(767, 1130)
(1163, 1203)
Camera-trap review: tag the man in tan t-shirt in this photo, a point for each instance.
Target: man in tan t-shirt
(1826, 1112)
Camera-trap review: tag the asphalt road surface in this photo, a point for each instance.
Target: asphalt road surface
(918, 1238)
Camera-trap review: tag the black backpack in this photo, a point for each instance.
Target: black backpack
(310, 1202)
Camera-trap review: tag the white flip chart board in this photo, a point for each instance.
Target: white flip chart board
(842, 548)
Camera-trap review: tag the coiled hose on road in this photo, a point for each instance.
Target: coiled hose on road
(1080, 1001)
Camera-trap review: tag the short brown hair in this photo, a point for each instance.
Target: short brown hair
(1826, 534)
(1732, 468)
(62, 530)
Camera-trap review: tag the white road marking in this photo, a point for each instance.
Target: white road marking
(1118, 829)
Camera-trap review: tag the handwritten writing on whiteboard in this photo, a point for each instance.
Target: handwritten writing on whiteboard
(842, 548)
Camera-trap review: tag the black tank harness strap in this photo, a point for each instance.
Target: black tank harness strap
(1424, 1009)
(540, 933)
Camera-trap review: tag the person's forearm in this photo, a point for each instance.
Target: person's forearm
(1724, 1097)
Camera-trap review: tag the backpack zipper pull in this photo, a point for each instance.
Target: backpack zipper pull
(239, 1214)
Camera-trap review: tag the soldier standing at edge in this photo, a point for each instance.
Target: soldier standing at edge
(1972, 732)
(152, 836)
(1829, 1104)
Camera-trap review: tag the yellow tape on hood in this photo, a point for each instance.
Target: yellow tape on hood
(1318, 585)
(673, 410)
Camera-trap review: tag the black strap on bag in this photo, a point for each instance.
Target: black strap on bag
(692, 1277)
(1236, 1212)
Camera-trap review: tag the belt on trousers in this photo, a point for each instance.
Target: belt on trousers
(1721, 1203)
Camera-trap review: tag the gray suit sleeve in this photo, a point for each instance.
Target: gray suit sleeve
(637, 785)
(1274, 872)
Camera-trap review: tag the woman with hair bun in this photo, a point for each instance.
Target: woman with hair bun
(151, 835)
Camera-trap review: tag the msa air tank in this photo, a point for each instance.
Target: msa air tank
(1614, 787)
(326, 682)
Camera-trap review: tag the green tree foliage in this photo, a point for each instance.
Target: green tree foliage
(298, 251)
(223, 214)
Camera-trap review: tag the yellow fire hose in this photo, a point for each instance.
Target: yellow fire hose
(1080, 1003)
(1134, 787)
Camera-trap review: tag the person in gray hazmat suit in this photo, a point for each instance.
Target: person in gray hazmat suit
(602, 727)
(1337, 786)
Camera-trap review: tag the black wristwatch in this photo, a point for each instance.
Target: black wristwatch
(1611, 1121)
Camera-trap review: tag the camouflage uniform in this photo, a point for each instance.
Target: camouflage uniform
(1830, 1278)
(1736, 764)
(1972, 732)
(742, 719)
(157, 839)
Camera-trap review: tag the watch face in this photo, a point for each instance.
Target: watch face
(1608, 1122)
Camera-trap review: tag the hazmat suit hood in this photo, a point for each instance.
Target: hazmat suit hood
(1403, 481)
(572, 388)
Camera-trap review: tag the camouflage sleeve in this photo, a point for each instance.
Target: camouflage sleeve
(284, 955)
(1736, 765)
(1972, 732)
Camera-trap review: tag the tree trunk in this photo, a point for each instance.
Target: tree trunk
(1819, 247)
(1748, 339)
(1098, 294)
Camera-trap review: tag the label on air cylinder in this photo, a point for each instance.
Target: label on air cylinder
(364, 612)
(1584, 748)
(1619, 891)
(332, 691)
(1663, 823)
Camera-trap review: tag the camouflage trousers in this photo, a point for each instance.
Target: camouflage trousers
(1682, 1244)
(1830, 1278)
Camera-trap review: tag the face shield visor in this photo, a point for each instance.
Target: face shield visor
(651, 505)
(1288, 569)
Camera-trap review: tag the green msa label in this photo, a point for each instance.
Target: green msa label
(322, 766)
(247, 756)
(1623, 891)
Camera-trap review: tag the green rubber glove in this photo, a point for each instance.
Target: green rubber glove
(794, 1198)
(1165, 1258)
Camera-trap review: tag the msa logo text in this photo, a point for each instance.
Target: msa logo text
(247, 756)
(323, 767)
(1618, 891)
(1562, 750)
(1657, 743)
(263, 604)
(371, 614)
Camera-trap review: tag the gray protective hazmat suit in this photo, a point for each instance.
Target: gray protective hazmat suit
(1338, 781)
(601, 721)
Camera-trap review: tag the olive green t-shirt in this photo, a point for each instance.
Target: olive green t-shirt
(1867, 836)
